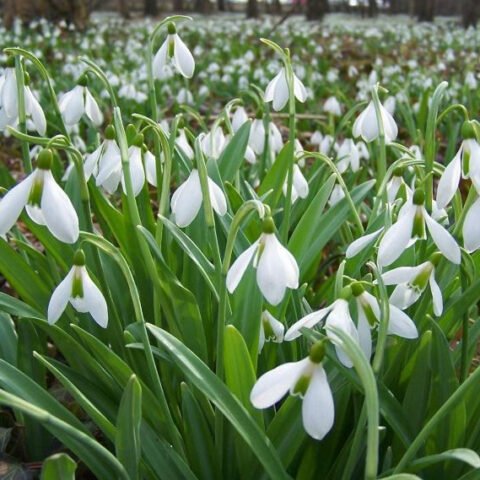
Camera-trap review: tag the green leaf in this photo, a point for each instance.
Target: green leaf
(239, 372)
(58, 467)
(464, 455)
(8, 339)
(127, 441)
(233, 157)
(208, 383)
(16, 307)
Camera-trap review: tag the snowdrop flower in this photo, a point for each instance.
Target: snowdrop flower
(336, 315)
(239, 118)
(390, 104)
(151, 167)
(394, 185)
(471, 227)
(411, 282)
(275, 138)
(185, 97)
(182, 143)
(187, 199)
(361, 243)
(44, 201)
(173, 52)
(466, 163)
(9, 102)
(366, 125)
(77, 102)
(276, 267)
(399, 323)
(256, 139)
(337, 195)
(316, 138)
(277, 90)
(135, 165)
(348, 155)
(299, 185)
(305, 378)
(213, 143)
(270, 330)
(78, 289)
(410, 225)
(332, 106)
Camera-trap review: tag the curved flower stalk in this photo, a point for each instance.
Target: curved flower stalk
(78, 289)
(9, 103)
(276, 267)
(78, 102)
(270, 330)
(173, 52)
(306, 378)
(44, 201)
(411, 282)
(410, 226)
(466, 164)
(336, 315)
(366, 125)
(277, 90)
(369, 314)
(188, 198)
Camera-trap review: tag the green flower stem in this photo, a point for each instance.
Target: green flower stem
(382, 153)
(451, 108)
(372, 405)
(459, 395)
(135, 216)
(94, 68)
(430, 142)
(464, 361)
(384, 320)
(340, 180)
(356, 446)
(285, 227)
(22, 116)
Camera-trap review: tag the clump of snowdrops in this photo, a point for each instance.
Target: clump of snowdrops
(212, 300)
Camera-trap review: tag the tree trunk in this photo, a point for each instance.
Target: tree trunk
(316, 9)
(470, 13)
(221, 5)
(425, 10)
(372, 8)
(178, 5)
(252, 9)
(123, 9)
(150, 8)
(201, 6)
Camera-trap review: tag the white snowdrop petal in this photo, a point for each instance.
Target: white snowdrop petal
(471, 227)
(404, 296)
(60, 216)
(273, 385)
(402, 274)
(160, 60)
(436, 295)
(364, 333)
(92, 109)
(36, 112)
(299, 89)
(72, 106)
(187, 200)
(360, 243)
(309, 321)
(443, 240)
(217, 198)
(389, 125)
(300, 183)
(318, 409)
(13, 202)
(137, 173)
(239, 266)
(94, 301)
(183, 59)
(448, 183)
(10, 94)
(35, 213)
(60, 297)
(270, 90)
(396, 238)
(281, 92)
(401, 324)
(150, 168)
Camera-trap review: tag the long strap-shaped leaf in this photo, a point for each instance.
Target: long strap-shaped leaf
(206, 381)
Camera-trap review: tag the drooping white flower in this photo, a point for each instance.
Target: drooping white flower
(276, 267)
(239, 118)
(151, 167)
(188, 198)
(137, 172)
(257, 136)
(306, 378)
(394, 185)
(466, 164)
(336, 315)
(82, 293)
(411, 283)
(44, 201)
(182, 143)
(78, 102)
(362, 242)
(270, 330)
(213, 143)
(333, 107)
(471, 227)
(299, 185)
(173, 52)
(399, 323)
(337, 195)
(275, 138)
(409, 227)
(366, 125)
(348, 155)
(278, 93)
